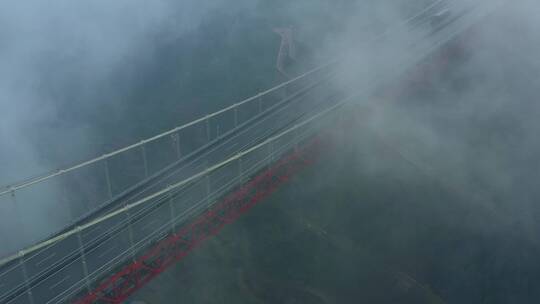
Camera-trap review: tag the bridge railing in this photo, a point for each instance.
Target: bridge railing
(80, 263)
(102, 244)
(78, 190)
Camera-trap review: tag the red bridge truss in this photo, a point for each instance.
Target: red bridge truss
(165, 253)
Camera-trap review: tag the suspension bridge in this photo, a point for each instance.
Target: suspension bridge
(155, 201)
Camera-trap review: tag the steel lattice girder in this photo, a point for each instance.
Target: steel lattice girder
(173, 248)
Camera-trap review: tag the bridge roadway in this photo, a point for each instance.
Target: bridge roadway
(102, 245)
(55, 273)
